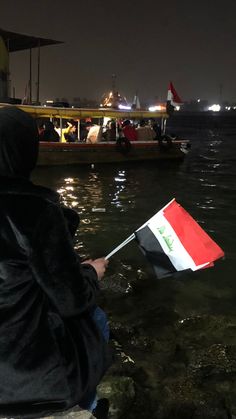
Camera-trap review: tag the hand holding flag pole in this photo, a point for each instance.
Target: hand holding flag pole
(173, 241)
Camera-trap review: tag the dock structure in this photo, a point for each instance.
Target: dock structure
(12, 42)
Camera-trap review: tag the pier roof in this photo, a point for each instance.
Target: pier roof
(18, 41)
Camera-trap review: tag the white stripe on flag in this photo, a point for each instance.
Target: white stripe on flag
(169, 95)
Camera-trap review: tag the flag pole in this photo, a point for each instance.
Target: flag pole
(132, 236)
(148, 221)
(129, 239)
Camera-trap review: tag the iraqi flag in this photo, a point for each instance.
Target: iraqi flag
(172, 96)
(173, 241)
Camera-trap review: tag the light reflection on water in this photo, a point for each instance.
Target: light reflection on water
(114, 201)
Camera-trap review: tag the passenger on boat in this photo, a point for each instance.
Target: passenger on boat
(94, 134)
(110, 132)
(71, 136)
(158, 133)
(49, 133)
(41, 129)
(145, 132)
(129, 130)
(53, 337)
(157, 129)
(83, 131)
(70, 128)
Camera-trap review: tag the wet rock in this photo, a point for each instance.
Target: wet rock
(217, 361)
(73, 414)
(182, 389)
(210, 412)
(206, 329)
(180, 368)
(121, 393)
(176, 410)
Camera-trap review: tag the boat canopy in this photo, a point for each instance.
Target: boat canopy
(82, 113)
(18, 42)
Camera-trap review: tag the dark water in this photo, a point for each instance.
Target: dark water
(124, 197)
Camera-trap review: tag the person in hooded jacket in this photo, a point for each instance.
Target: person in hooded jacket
(53, 353)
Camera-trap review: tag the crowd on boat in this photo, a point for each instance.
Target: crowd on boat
(89, 131)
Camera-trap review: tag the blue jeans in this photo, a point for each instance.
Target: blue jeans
(100, 318)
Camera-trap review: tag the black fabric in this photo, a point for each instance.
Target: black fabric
(18, 142)
(51, 352)
(52, 355)
(154, 253)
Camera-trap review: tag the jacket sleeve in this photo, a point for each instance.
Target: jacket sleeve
(72, 219)
(70, 286)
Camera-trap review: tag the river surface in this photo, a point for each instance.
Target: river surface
(114, 200)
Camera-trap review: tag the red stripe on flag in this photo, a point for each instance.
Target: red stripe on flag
(176, 97)
(195, 240)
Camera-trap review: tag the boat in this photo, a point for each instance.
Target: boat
(52, 154)
(122, 150)
(61, 153)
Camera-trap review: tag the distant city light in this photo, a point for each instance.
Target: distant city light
(48, 102)
(214, 108)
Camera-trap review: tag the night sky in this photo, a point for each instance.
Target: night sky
(145, 43)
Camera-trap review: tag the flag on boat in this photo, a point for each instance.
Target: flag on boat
(172, 96)
(173, 241)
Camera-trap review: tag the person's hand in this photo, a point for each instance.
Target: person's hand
(87, 261)
(99, 265)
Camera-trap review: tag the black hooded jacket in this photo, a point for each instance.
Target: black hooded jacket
(52, 354)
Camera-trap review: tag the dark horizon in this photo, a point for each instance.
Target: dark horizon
(191, 44)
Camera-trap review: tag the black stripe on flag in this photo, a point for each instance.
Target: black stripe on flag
(154, 253)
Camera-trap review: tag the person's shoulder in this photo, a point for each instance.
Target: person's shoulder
(23, 186)
(45, 193)
(29, 200)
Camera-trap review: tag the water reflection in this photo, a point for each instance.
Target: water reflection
(68, 199)
(113, 201)
(97, 202)
(119, 190)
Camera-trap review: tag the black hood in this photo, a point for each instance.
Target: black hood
(19, 142)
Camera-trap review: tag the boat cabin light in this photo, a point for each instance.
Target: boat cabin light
(156, 108)
(125, 107)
